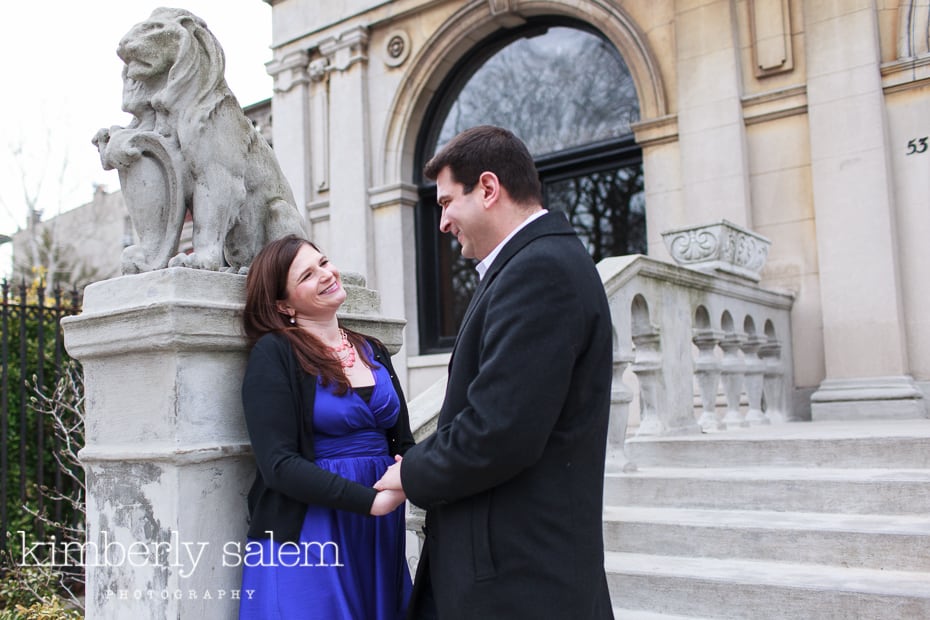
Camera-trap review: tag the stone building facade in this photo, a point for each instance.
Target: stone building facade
(803, 121)
(85, 242)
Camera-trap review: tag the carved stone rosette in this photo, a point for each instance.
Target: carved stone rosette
(719, 247)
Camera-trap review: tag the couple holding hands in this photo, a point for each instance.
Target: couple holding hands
(512, 479)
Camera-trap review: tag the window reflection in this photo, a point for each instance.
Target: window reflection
(458, 286)
(607, 209)
(562, 89)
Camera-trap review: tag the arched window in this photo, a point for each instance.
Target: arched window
(565, 91)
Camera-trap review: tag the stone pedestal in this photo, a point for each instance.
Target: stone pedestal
(167, 456)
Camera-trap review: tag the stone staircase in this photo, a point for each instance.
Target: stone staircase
(808, 520)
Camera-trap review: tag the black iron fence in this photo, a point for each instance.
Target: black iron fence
(32, 360)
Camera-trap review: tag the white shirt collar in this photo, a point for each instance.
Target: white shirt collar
(484, 265)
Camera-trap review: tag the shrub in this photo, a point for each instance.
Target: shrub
(33, 360)
(50, 590)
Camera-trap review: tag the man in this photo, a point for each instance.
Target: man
(512, 480)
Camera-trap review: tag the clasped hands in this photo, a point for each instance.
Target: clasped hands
(390, 491)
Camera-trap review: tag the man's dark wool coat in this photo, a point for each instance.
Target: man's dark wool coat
(512, 480)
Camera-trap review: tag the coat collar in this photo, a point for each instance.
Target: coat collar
(552, 223)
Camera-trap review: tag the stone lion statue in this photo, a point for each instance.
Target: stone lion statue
(191, 149)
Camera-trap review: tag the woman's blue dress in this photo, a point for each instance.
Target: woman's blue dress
(346, 566)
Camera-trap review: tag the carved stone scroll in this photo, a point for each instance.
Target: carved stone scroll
(719, 247)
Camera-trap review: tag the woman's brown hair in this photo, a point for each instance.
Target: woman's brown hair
(265, 285)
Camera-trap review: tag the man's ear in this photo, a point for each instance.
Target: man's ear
(490, 187)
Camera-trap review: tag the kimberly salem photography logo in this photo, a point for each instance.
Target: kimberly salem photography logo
(175, 553)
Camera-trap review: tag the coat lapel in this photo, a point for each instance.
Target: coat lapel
(553, 223)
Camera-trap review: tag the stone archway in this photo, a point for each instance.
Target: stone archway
(456, 36)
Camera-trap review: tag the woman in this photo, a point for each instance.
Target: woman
(326, 416)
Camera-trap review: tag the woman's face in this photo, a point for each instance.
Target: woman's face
(314, 289)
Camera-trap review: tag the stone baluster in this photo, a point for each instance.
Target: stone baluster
(648, 369)
(773, 381)
(620, 398)
(754, 368)
(731, 376)
(707, 373)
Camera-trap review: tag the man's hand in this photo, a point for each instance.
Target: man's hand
(386, 502)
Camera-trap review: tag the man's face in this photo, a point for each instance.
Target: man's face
(463, 215)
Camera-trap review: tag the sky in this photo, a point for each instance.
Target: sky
(62, 83)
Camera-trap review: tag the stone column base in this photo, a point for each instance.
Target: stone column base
(868, 399)
(167, 455)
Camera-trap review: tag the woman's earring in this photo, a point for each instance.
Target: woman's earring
(293, 321)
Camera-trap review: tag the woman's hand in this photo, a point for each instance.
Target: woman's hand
(390, 480)
(386, 502)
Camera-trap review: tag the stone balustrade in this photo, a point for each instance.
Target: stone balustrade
(707, 351)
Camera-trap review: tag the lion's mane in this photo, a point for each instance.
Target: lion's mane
(196, 82)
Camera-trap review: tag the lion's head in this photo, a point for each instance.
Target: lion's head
(176, 58)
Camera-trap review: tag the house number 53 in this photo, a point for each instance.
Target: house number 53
(917, 145)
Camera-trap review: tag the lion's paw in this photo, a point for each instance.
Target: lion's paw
(194, 261)
(133, 260)
(181, 260)
(101, 138)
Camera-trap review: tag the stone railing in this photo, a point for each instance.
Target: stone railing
(685, 334)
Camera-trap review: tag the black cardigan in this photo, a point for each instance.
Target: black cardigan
(277, 397)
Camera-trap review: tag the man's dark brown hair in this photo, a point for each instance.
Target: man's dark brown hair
(489, 149)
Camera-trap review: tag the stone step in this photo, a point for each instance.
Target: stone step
(640, 614)
(888, 542)
(852, 444)
(745, 589)
(785, 489)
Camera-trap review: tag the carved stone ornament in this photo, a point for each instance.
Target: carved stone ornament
(346, 50)
(318, 69)
(505, 13)
(397, 48)
(499, 7)
(722, 246)
(191, 149)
